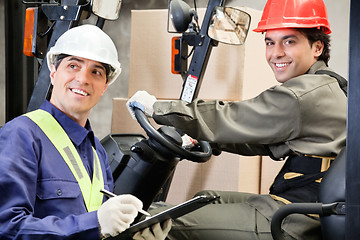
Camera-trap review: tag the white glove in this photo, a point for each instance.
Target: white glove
(156, 232)
(188, 142)
(116, 214)
(142, 100)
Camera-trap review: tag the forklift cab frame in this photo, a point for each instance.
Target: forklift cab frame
(352, 223)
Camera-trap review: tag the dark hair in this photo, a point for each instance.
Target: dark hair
(315, 34)
(60, 57)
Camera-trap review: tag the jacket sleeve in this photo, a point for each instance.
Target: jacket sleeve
(18, 188)
(271, 117)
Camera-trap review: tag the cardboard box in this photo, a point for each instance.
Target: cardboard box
(228, 69)
(226, 172)
(121, 120)
(269, 170)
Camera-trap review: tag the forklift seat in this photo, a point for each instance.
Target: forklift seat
(331, 206)
(333, 190)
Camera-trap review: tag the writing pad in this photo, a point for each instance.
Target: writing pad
(173, 212)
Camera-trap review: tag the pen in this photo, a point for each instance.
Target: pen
(110, 194)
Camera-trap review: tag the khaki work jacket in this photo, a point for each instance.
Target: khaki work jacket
(305, 115)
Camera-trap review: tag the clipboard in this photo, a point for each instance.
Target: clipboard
(173, 213)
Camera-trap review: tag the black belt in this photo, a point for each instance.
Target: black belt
(303, 164)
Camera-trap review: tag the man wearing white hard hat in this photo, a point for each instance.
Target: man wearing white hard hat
(52, 166)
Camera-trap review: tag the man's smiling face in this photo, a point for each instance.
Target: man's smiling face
(78, 84)
(289, 54)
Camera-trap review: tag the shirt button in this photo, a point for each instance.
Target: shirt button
(59, 193)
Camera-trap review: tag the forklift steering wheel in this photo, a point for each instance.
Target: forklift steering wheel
(178, 150)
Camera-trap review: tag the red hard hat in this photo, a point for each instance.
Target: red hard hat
(294, 14)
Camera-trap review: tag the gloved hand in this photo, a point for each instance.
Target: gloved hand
(142, 100)
(156, 232)
(116, 214)
(188, 142)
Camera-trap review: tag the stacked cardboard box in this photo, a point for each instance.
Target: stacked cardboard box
(233, 73)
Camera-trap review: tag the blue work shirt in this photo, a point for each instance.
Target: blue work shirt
(39, 196)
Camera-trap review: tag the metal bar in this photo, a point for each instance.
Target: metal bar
(100, 22)
(353, 130)
(200, 57)
(20, 70)
(302, 208)
(42, 86)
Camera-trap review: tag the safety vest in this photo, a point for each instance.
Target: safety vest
(90, 190)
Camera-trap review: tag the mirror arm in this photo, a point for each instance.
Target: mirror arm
(193, 39)
(100, 22)
(66, 13)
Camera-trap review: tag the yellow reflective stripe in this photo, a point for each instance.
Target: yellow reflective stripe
(325, 164)
(291, 175)
(73, 161)
(96, 197)
(72, 158)
(56, 134)
(277, 198)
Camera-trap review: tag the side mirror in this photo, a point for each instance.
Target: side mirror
(107, 9)
(181, 15)
(229, 25)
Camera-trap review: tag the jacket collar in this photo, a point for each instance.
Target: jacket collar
(76, 132)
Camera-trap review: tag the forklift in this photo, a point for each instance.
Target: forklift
(162, 148)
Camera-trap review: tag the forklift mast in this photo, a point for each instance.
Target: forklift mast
(352, 220)
(200, 58)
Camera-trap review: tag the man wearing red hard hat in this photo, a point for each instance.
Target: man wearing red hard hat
(302, 120)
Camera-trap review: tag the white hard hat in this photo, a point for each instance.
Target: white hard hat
(90, 42)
